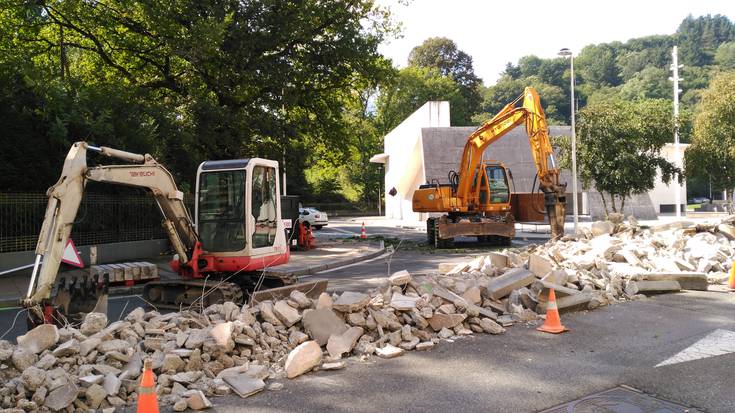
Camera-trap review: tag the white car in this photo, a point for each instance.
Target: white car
(314, 217)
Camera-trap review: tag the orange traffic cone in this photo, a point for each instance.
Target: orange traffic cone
(553, 322)
(731, 281)
(363, 234)
(147, 399)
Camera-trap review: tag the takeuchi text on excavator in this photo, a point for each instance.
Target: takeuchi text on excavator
(477, 199)
(237, 229)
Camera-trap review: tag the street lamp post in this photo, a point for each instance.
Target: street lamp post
(564, 53)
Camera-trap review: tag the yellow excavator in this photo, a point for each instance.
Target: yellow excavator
(237, 230)
(477, 200)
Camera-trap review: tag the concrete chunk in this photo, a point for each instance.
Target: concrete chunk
(350, 301)
(303, 358)
(321, 324)
(61, 397)
(514, 279)
(389, 351)
(402, 302)
(539, 265)
(687, 280)
(287, 314)
(345, 342)
(651, 287)
(244, 385)
(40, 338)
(568, 303)
(439, 321)
(400, 278)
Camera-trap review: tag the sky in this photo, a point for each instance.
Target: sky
(497, 32)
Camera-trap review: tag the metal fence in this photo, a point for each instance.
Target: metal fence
(102, 218)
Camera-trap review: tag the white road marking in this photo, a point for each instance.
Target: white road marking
(348, 265)
(716, 343)
(343, 231)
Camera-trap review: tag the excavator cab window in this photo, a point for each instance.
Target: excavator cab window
(221, 213)
(498, 183)
(264, 206)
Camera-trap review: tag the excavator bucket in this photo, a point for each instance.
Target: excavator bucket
(74, 298)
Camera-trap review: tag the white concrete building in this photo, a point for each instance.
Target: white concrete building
(424, 147)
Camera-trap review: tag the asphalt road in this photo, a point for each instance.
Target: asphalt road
(527, 371)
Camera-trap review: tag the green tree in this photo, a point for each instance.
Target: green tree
(410, 89)
(443, 55)
(649, 83)
(712, 153)
(618, 148)
(597, 65)
(554, 99)
(205, 81)
(725, 56)
(700, 37)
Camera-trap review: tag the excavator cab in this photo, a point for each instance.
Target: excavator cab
(491, 189)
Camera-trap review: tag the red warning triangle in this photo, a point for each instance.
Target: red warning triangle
(71, 255)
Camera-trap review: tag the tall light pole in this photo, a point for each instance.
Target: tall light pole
(675, 66)
(564, 53)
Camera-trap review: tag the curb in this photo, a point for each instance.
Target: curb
(317, 268)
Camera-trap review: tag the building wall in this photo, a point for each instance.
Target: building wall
(404, 167)
(662, 195)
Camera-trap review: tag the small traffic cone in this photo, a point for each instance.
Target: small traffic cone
(363, 234)
(553, 322)
(731, 280)
(147, 398)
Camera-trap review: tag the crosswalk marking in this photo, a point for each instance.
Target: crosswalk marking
(716, 343)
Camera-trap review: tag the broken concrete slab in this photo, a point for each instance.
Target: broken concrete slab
(287, 314)
(602, 227)
(335, 365)
(502, 285)
(303, 358)
(687, 280)
(61, 397)
(93, 323)
(439, 321)
(425, 345)
(403, 303)
(539, 266)
(389, 351)
(568, 303)
(40, 338)
(651, 287)
(339, 344)
(321, 324)
(350, 302)
(244, 385)
(543, 288)
(491, 327)
(400, 278)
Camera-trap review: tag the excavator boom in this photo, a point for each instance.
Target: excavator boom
(464, 196)
(66, 195)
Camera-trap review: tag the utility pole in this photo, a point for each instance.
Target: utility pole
(568, 53)
(675, 66)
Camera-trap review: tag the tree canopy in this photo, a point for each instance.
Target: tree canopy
(443, 55)
(618, 148)
(186, 80)
(712, 153)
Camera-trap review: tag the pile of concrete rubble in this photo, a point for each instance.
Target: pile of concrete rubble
(235, 349)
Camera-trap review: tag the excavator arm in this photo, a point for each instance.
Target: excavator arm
(66, 195)
(506, 120)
